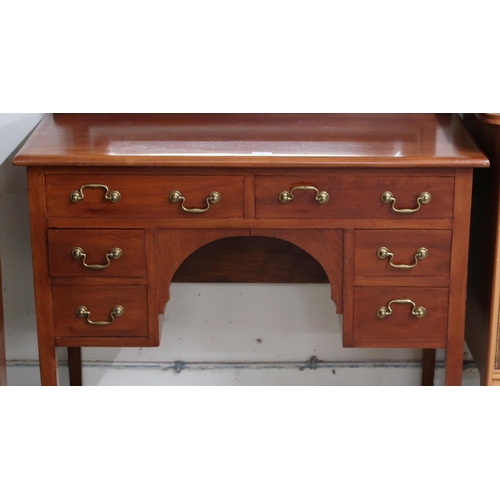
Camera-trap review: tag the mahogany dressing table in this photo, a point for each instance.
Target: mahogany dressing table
(378, 206)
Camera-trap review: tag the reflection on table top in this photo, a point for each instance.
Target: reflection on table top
(236, 140)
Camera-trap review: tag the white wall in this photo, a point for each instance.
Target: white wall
(226, 334)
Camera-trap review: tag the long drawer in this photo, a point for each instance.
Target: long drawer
(209, 196)
(100, 311)
(354, 196)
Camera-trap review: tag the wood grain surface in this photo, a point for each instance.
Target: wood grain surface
(97, 243)
(258, 140)
(404, 244)
(353, 196)
(401, 325)
(100, 301)
(257, 259)
(146, 196)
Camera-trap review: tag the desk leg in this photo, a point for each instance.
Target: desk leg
(428, 366)
(454, 364)
(43, 297)
(75, 365)
(48, 360)
(458, 278)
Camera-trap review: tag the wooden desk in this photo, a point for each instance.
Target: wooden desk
(482, 324)
(3, 362)
(380, 202)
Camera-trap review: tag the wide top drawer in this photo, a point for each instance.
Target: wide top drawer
(354, 196)
(203, 196)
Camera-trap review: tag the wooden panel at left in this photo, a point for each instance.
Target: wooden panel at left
(3, 369)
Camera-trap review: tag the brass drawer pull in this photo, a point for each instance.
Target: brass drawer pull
(418, 312)
(112, 196)
(424, 198)
(83, 312)
(176, 196)
(78, 253)
(287, 196)
(421, 254)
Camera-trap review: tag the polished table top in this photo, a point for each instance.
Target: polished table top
(236, 140)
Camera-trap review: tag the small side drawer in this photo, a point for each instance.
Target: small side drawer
(429, 252)
(97, 252)
(100, 302)
(353, 196)
(143, 195)
(401, 325)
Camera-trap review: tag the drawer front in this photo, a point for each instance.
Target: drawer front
(353, 197)
(389, 252)
(100, 301)
(97, 252)
(401, 324)
(143, 196)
